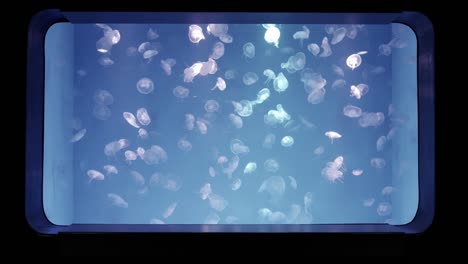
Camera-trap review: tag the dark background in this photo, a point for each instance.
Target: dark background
(437, 240)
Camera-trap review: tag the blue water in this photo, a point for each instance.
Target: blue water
(74, 74)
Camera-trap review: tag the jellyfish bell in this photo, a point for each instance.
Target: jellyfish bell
(354, 60)
(195, 34)
(272, 35)
(220, 84)
(332, 135)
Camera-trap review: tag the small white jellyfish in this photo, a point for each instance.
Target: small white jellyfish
(167, 65)
(170, 210)
(131, 119)
(156, 221)
(332, 174)
(117, 200)
(262, 95)
(180, 92)
(171, 185)
(358, 91)
(250, 78)
(357, 172)
(152, 34)
(144, 47)
(123, 143)
(319, 150)
(380, 144)
(220, 84)
(104, 45)
(226, 38)
(217, 30)
(155, 155)
(313, 48)
(301, 35)
(202, 126)
(275, 186)
(137, 177)
(95, 175)
(326, 49)
(270, 74)
(184, 145)
(145, 85)
(238, 147)
(113, 35)
(110, 169)
(352, 111)
(332, 135)
(263, 213)
(385, 49)
(287, 141)
(147, 55)
(280, 83)
(338, 70)
(211, 171)
(316, 96)
(111, 148)
(222, 159)
(105, 60)
(78, 135)
(387, 190)
(312, 80)
(249, 50)
(371, 119)
(211, 106)
(236, 184)
(205, 190)
(272, 35)
(271, 165)
(354, 60)
(368, 202)
(250, 168)
(217, 202)
(130, 155)
(295, 63)
(275, 117)
(218, 51)
(339, 84)
(377, 163)
(143, 116)
(189, 121)
(140, 152)
(338, 35)
(212, 219)
(292, 182)
(269, 141)
(195, 34)
(230, 74)
(384, 209)
(103, 97)
(236, 121)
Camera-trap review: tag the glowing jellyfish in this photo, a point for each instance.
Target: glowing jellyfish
(272, 35)
(368, 202)
(292, 182)
(181, 92)
(112, 35)
(218, 51)
(354, 60)
(358, 91)
(332, 174)
(332, 135)
(110, 169)
(238, 147)
(212, 219)
(155, 155)
(220, 84)
(316, 96)
(143, 116)
(170, 210)
(137, 177)
(211, 171)
(131, 119)
(117, 200)
(243, 108)
(189, 121)
(295, 63)
(270, 74)
(326, 49)
(280, 83)
(301, 35)
(236, 184)
(145, 85)
(195, 34)
(275, 117)
(230, 74)
(262, 95)
(352, 111)
(250, 78)
(319, 150)
(250, 168)
(226, 38)
(313, 48)
(103, 97)
(377, 163)
(211, 106)
(156, 221)
(144, 47)
(152, 34)
(130, 155)
(95, 175)
(192, 71)
(380, 144)
(104, 45)
(217, 202)
(357, 172)
(222, 159)
(338, 35)
(236, 121)
(105, 60)
(384, 209)
(202, 126)
(371, 119)
(385, 49)
(287, 141)
(387, 190)
(205, 191)
(340, 83)
(78, 135)
(123, 143)
(231, 166)
(217, 30)
(271, 165)
(338, 70)
(111, 148)
(312, 80)
(274, 186)
(184, 145)
(147, 55)
(167, 65)
(249, 50)
(140, 152)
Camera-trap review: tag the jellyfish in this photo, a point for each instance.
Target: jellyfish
(184, 145)
(238, 147)
(352, 32)
(143, 116)
(269, 141)
(105, 60)
(205, 191)
(384, 209)
(357, 172)
(270, 74)
(103, 97)
(236, 184)
(152, 34)
(140, 152)
(262, 95)
(371, 119)
(263, 213)
(272, 35)
(332, 174)
(338, 35)
(202, 126)
(111, 148)
(243, 108)
(316, 96)
(95, 175)
(170, 210)
(385, 49)
(250, 78)
(181, 92)
(217, 30)
(352, 111)
(218, 51)
(368, 202)
(131, 119)
(276, 217)
(112, 35)
(301, 35)
(312, 80)
(217, 202)
(339, 83)
(211, 106)
(230, 74)
(338, 70)
(78, 135)
(280, 83)
(211, 171)
(147, 55)
(130, 155)
(292, 182)
(380, 144)
(295, 63)
(104, 45)
(231, 166)
(387, 190)
(358, 91)
(226, 38)
(332, 135)
(117, 200)
(211, 219)
(377, 163)
(222, 159)
(354, 60)
(278, 116)
(195, 34)
(326, 49)
(274, 186)
(220, 84)
(155, 155)
(131, 51)
(236, 121)
(250, 167)
(271, 165)
(189, 121)
(145, 85)
(319, 150)
(137, 177)
(123, 143)
(287, 141)
(156, 221)
(313, 48)
(249, 50)
(110, 169)
(167, 65)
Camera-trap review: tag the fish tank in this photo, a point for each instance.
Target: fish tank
(230, 122)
